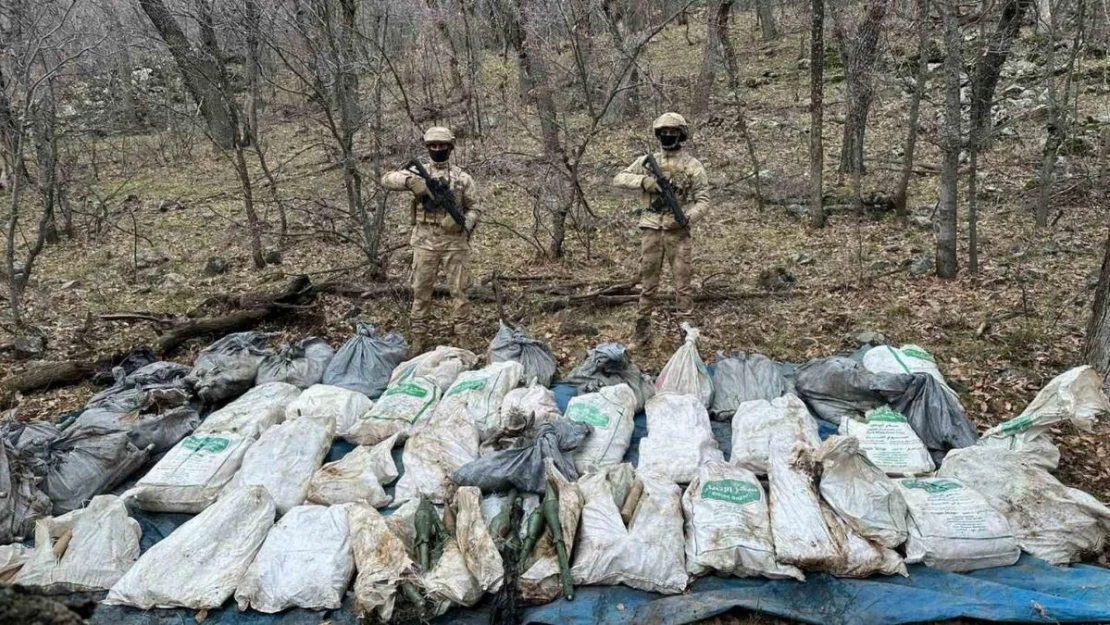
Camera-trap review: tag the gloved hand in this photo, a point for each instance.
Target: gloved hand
(650, 185)
(471, 222)
(418, 187)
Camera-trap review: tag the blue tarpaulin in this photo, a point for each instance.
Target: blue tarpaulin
(1030, 591)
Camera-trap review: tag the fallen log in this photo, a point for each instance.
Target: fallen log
(606, 301)
(43, 375)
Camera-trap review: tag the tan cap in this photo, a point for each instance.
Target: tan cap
(439, 134)
(671, 120)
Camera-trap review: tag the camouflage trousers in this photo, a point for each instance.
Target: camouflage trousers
(674, 246)
(425, 267)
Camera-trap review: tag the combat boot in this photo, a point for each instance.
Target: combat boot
(419, 343)
(642, 336)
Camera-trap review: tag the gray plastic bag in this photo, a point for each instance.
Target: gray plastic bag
(365, 362)
(227, 368)
(87, 461)
(22, 501)
(523, 467)
(745, 377)
(609, 364)
(301, 365)
(160, 423)
(515, 344)
(934, 413)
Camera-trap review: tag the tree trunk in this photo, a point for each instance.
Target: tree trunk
(1097, 349)
(255, 103)
(988, 69)
(727, 48)
(923, 23)
(630, 100)
(202, 75)
(1044, 16)
(859, 48)
(816, 112)
(766, 12)
(248, 205)
(704, 86)
(947, 213)
(350, 115)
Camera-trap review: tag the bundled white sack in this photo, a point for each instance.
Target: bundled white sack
(85, 550)
(402, 409)
(802, 538)
(12, 559)
(199, 565)
(305, 562)
(480, 554)
(190, 476)
(321, 401)
(450, 582)
(755, 421)
(862, 558)
(889, 442)
(255, 411)
(954, 528)
(909, 358)
(357, 477)
(443, 365)
(381, 559)
(728, 530)
(679, 438)
(285, 458)
(478, 395)
(868, 501)
(1051, 521)
(1074, 396)
(522, 413)
(685, 372)
(647, 553)
(610, 413)
(540, 582)
(449, 441)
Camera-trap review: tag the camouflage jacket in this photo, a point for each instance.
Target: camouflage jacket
(437, 231)
(688, 178)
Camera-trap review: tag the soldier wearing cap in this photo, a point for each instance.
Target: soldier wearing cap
(661, 236)
(437, 240)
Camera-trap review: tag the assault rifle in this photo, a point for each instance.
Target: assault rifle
(439, 194)
(666, 191)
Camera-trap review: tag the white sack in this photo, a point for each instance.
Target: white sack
(305, 562)
(357, 477)
(478, 395)
(648, 554)
(84, 550)
(862, 558)
(255, 411)
(685, 373)
(954, 528)
(1055, 523)
(322, 401)
(448, 442)
(679, 438)
(12, 559)
(402, 409)
(443, 364)
(889, 442)
(382, 561)
(450, 582)
(1074, 396)
(284, 460)
(191, 475)
(798, 526)
(540, 582)
(199, 565)
(728, 530)
(755, 421)
(609, 413)
(524, 410)
(907, 359)
(480, 554)
(868, 501)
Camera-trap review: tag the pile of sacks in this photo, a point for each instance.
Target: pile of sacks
(277, 526)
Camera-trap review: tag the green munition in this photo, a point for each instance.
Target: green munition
(412, 594)
(532, 534)
(501, 525)
(550, 509)
(430, 534)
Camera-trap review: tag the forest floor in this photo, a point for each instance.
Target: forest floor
(998, 336)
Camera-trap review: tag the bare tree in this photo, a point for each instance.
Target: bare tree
(920, 78)
(816, 112)
(716, 32)
(947, 212)
(1097, 348)
(858, 37)
(766, 12)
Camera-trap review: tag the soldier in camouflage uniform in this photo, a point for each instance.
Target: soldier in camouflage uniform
(661, 236)
(437, 240)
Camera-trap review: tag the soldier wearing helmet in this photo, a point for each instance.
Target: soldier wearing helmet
(437, 240)
(662, 239)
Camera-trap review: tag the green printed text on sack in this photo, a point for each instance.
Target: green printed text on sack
(731, 491)
(588, 414)
(914, 351)
(933, 487)
(1017, 425)
(885, 414)
(469, 385)
(212, 444)
(406, 388)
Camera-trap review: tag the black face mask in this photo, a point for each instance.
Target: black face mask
(439, 156)
(670, 142)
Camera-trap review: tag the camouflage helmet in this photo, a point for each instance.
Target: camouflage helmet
(439, 134)
(671, 120)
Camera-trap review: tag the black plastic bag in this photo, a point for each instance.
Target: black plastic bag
(515, 344)
(87, 461)
(301, 365)
(608, 364)
(934, 413)
(522, 467)
(365, 362)
(22, 501)
(227, 368)
(745, 377)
